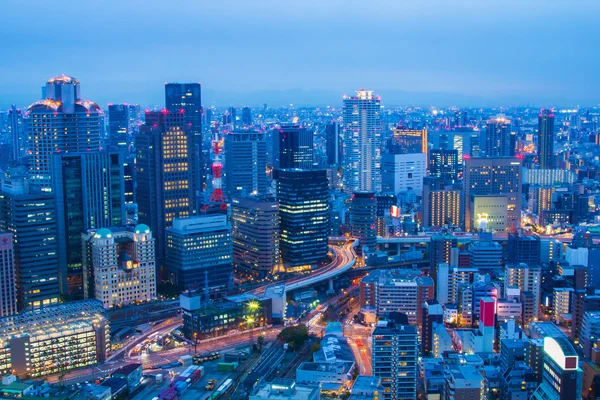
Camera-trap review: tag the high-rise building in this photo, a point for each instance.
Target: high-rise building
(303, 197)
(334, 143)
(363, 220)
(546, 139)
(487, 322)
(63, 122)
(199, 253)
(441, 207)
(245, 163)
(120, 264)
(561, 377)
(362, 142)
(246, 117)
(443, 164)
(497, 138)
(54, 339)
(8, 290)
(16, 130)
(30, 216)
(255, 232)
(293, 147)
(529, 280)
(408, 141)
(485, 253)
(164, 174)
(394, 359)
(523, 249)
(400, 172)
(433, 313)
(517, 382)
(396, 291)
(89, 194)
(590, 332)
(492, 176)
(186, 98)
(120, 120)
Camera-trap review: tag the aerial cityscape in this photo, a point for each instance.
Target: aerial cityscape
(331, 229)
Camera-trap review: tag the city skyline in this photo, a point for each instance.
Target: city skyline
(459, 54)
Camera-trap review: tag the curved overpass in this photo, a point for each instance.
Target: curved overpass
(345, 258)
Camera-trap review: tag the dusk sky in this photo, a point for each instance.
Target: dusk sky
(542, 52)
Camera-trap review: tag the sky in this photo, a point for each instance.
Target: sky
(425, 52)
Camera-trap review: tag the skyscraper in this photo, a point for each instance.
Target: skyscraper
(165, 174)
(492, 176)
(255, 231)
(394, 355)
(16, 129)
(441, 207)
(119, 127)
(334, 143)
(293, 147)
(199, 253)
(363, 220)
(546, 139)
(30, 216)
(61, 123)
(406, 141)
(89, 194)
(400, 172)
(303, 197)
(245, 163)
(362, 142)
(186, 98)
(529, 280)
(8, 291)
(497, 138)
(443, 164)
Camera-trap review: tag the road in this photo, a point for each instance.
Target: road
(359, 339)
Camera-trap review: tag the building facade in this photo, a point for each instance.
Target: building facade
(293, 147)
(245, 163)
(8, 290)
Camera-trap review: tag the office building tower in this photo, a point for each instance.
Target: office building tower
(303, 197)
(401, 172)
(396, 291)
(165, 175)
(293, 147)
(590, 332)
(89, 194)
(61, 123)
(441, 207)
(8, 290)
(54, 339)
(231, 112)
(547, 177)
(497, 138)
(18, 137)
(387, 213)
(120, 265)
(129, 171)
(407, 141)
(561, 377)
(245, 163)
(433, 313)
(119, 127)
(464, 382)
(186, 98)
(199, 253)
(529, 280)
(440, 249)
(490, 212)
(394, 358)
(443, 164)
(363, 220)
(546, 139)
(485, 254)
(246, 116)
(334, 143)
(30, 216)
(255, 232)
(492, 176)
(362, 142)
(523, 249)
(587, 300)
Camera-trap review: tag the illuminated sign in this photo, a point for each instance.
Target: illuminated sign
(555, 351)
(395, 211)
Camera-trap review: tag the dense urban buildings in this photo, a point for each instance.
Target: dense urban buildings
(245, 163)
(293, 147)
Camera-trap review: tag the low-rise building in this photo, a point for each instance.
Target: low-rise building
(285, 389)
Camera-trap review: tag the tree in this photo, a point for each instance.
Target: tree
(315, 347)
(296, 335)
(260, 341)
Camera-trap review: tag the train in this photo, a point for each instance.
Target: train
(221, 390)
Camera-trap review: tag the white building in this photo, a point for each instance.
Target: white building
(562, 304)
(490, 213)
(402, 171)
(442, 340)
(123, 263)
(8, 291)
